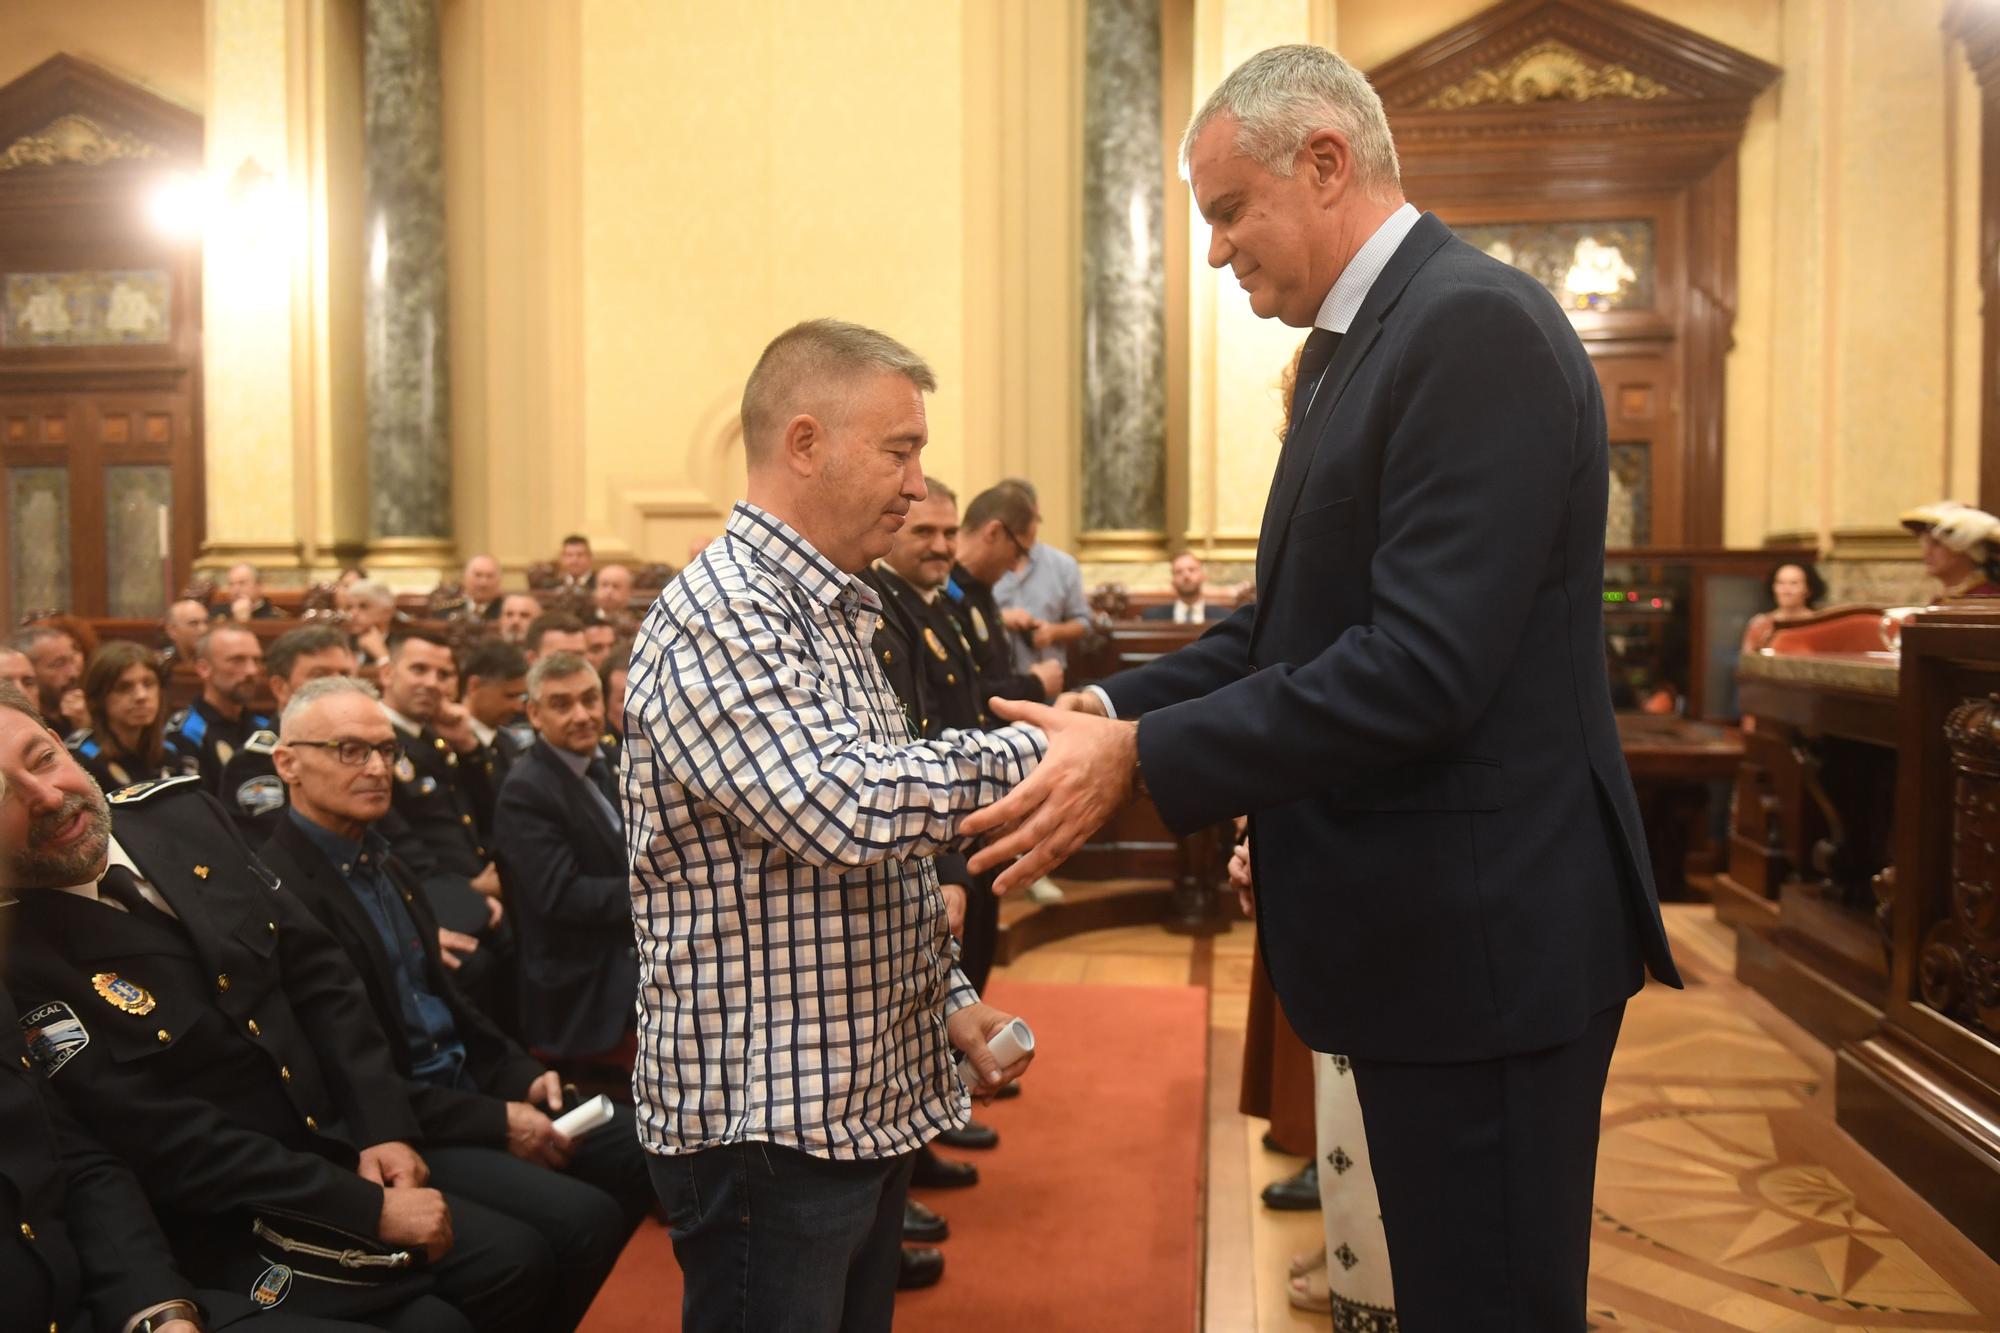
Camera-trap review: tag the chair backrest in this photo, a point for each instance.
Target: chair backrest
(1838, 629)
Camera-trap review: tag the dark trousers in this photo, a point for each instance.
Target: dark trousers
(779, 1241)
(575, 1229)
(982, 930)
(1485, 1172)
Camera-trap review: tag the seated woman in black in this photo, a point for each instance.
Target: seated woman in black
(124, 742)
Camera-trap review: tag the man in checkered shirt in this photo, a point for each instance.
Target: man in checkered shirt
(799, 995)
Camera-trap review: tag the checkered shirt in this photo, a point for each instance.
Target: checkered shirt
(796, 968)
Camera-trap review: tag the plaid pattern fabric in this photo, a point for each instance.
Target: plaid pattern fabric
(796, 967)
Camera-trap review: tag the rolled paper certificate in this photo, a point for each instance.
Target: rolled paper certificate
(1007, 1045)
(580, 1120)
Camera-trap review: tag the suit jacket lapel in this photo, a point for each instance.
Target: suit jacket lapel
(1296, 461)
(320, 878)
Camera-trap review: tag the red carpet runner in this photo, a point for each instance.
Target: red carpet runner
(1087, 1215)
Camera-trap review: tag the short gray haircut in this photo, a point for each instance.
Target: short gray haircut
(554, 666)
(807, 361)
(310, 693)
(1279, 98)
(372, 593)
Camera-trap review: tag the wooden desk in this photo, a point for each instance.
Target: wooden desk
(1674, 762)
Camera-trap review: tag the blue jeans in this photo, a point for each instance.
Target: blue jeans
(772, 1240)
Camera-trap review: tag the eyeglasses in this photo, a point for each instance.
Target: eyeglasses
(1020, 547)
(355, 753)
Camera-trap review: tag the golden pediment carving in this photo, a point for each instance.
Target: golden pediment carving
(75, 138)
(1548, 71)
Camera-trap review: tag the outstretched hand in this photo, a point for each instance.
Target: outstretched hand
(1085, 776)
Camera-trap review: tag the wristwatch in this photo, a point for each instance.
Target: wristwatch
(167, 1314)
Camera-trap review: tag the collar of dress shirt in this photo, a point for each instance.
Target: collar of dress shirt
(481, 730)
(342, 851)
(116, 856)
(928, 595)
(1350, 289)
(579, 764)
(780, 543)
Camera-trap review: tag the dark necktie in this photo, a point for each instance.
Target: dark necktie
(1321, 344)
(599, 776)
(121, 887)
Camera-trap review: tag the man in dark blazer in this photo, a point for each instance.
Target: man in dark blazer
(482, 1104)
(1453, 888)
(561, 840)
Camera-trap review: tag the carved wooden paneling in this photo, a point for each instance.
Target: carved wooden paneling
(1960, 968)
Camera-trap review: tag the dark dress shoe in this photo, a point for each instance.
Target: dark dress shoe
(1008, 1091)
(1294, 1194)
(921, 1268)
(922, 1225)
(933, 1172)
(974, 1135)
(1272, 1145)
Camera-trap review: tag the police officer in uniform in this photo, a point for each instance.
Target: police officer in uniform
(251, 791)
(200, 1024)
(230, 662)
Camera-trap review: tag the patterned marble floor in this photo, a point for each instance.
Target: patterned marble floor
(1727, 1200)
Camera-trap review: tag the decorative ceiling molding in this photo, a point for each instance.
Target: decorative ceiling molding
(75, 138)
(1549, 71)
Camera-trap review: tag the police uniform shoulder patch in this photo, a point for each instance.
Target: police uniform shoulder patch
(261, 742)
(271, 1287)
(54, 1036)
(261, 795)
(80, 741)
(126, 996)
(145, 791)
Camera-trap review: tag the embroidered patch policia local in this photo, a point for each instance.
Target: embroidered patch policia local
(271, 1287)
(54, 1036)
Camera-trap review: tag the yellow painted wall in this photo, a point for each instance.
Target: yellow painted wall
(157, 44)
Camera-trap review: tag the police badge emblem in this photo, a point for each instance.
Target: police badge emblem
(271, 1287)
(125, 996)
(979, 624)
(935, 644)
(405, 770)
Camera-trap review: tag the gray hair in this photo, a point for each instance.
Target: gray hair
(555, 666)
(816, 357)
(310, 693)
(371, 593)
(1280, 97)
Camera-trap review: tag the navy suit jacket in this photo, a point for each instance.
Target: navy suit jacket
(570, 884)
(1415, 713)
(1165, 611)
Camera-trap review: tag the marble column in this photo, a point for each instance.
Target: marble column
(1124, 284)
(409, 381)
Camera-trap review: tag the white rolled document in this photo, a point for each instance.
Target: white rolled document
(581, 1119)
(1007, 1045)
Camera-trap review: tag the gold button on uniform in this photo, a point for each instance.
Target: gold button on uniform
(164, 1036)
(271, 926)
(27, 1232)
(222, 982)
(255, 1031)
(27, 1064)
(312, 1124)
(465, 819)
(284, 1073)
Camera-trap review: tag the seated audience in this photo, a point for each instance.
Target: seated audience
(251, 791)
(598, 636)
(18, 671)
(443, 779)
(371, 619)
(561, 836)
(480, 583)
(554, 632)
(573, 565)
(1795, 592)
(482, 1104)
(230, 662)
(1190, 605)
(612, 594)
(1961, 547)
(209, 1031)
(126, 742)
(58, 660)
(517, 611)
(987, 549)
(243, 598)
(496, 684)
(186, 621)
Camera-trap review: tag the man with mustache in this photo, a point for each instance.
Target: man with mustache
(201, 1024)
(230, 661)
(483, 1104)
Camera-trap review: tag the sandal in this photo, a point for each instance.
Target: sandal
(1311, 1294)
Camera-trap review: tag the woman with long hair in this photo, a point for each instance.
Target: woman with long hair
(125, 742)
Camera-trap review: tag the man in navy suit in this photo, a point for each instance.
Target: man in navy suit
(1452, 885)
